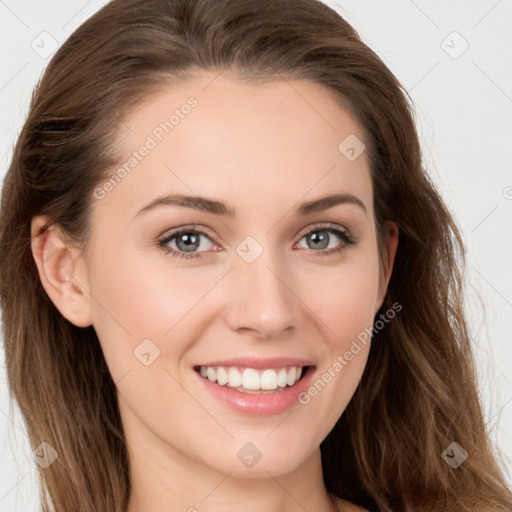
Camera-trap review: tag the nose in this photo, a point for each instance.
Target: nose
(261, 301)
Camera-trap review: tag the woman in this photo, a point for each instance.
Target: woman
(227, 278)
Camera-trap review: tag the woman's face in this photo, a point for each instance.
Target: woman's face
(244, 291)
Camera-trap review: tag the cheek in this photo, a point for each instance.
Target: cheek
(135, 300)
(345, 302)
(126, 308)
(345, 297)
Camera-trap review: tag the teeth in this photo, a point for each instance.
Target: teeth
(234, 377)
(252, 379)
(291, 376)
(268, 380)
(282, 378)
(222, 376)
(211, 374)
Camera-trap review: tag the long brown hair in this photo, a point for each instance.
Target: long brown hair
(418, 393)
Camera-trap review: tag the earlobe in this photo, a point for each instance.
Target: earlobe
(61, 271)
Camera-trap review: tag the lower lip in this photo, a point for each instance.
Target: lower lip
(259, 404)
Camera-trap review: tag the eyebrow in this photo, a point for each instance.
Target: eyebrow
(216, 207)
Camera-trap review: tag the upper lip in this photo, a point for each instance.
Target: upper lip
(260, 362)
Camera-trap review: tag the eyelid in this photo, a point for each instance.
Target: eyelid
(324, 226)
(185, 229)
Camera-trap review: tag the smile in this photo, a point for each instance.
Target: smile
(252, 380)
(255, 386)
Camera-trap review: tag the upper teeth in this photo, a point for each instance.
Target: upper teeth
(250, 378)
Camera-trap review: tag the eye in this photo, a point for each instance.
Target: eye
(322, 239)
(188, 242)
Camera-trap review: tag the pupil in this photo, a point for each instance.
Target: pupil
(191, 242)
(321, 239)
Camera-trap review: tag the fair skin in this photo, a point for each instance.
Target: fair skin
(262, 149)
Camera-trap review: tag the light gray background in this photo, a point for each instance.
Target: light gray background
(464, 114)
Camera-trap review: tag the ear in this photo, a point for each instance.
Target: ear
(62, 272)
(390, 246)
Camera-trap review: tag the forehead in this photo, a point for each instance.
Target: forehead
(251, 143)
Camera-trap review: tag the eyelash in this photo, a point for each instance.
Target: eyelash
(348, 240)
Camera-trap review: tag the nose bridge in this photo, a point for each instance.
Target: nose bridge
(260, 299)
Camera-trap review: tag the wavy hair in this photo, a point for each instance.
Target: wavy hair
(418, 393)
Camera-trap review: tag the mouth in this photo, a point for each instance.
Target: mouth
(254, 381)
